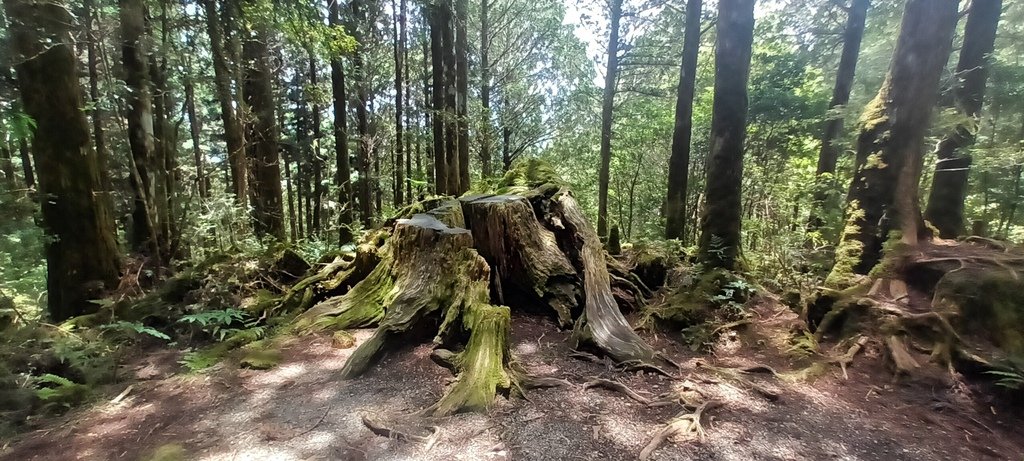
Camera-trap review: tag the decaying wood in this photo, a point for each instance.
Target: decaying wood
(524, 255)
(448, 260)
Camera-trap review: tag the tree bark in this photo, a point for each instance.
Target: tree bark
(883, 195)
(268, 211)
(952, 168)
(607, 106)
(828, 155)
(485, 90)
(400, 37)
(344, 168)
(462, 94)
(233, 133)
(679, 162)
(441, 168)
(26, 164)
(7, 167)
(96, 110)
(318, 163)
(81, 253)
(146, 232)
(721, 222)
(450, 118)
(362, 118)
(194, 128)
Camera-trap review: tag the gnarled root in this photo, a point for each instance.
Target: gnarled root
(846, 359)
(686, 423)
(617, 387)
(381, 429)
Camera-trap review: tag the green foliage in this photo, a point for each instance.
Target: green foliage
(58, 392)
(199, 360)
(137, 328)
(217, 323)
(1008, 379)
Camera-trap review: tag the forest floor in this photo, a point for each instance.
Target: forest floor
(300, 410)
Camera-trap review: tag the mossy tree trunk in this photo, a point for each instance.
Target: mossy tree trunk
(721, 223)
(952, 167)
(457, 264)
(883, 196)
(81, 253)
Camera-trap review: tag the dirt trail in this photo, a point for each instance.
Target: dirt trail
(301, 411)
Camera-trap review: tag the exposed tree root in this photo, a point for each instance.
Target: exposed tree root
(542, 382)
(617, 387)
(381, 429)
(846, 359)
(737, 375)
(686, 423)
(901, 358)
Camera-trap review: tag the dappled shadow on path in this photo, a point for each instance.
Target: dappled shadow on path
(300, 410)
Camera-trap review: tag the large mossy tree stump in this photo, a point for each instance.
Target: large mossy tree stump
(450, 266)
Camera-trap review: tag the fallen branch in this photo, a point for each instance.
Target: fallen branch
(681, 424)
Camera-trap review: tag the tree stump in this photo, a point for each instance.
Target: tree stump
(458, 264)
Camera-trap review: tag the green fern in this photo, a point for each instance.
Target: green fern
(1008, 379)
(137, 328)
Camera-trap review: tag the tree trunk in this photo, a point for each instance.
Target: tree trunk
(268, 211)
(362, 119)
(952, 168)
(7, 167)
(607, 106)
(828, 156)
(26, 164)
(318, 163)
(344, 174)
(721, 223)
(485, 90)
(462, 93)
(233, 133)
(81, 251)
(164, 139)
(400, 37)
(96, 110)
(202, 182)
(437, 24)
(450, 118)
(146, 225)
(679, 162)
(883, 195)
